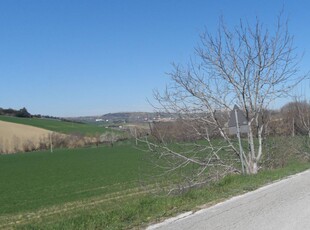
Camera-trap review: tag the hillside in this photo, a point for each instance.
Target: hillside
(56, 125)
(125, 117)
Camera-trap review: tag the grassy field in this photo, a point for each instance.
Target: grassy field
(101, 188)
(105, 188)
(53, 183)
(56, 125)
(38, 179)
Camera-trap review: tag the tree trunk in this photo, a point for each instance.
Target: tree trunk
(253, 167)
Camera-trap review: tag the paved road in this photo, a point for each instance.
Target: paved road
(283, 205)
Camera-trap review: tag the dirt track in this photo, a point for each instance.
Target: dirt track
(14, 137)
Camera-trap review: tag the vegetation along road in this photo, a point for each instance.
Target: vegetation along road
(282, 205)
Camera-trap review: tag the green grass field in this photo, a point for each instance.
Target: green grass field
(56, 125)
(99, 188)
(38, 179)
(66, 178)
(103, 188)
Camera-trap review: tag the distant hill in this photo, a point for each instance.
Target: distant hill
(56, 125)
(129, 117)
(125, 117)
(52, 123)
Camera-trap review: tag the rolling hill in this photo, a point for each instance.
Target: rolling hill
(57, 125)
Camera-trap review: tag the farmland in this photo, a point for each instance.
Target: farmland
(13, 136)
(28, 134)
(56, 125)
(100, 188)
(47, 183)
(104, 187)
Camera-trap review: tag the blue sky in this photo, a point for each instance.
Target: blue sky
(76, 58)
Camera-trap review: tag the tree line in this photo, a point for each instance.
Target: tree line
(291, 119)
(23, 112)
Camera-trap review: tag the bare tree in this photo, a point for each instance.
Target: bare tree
(303, 111)
(289, 115)
(249, 66)
(296, 116)
(109, 137)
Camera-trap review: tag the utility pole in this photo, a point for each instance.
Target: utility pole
(136, 135)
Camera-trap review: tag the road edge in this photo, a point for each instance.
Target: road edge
(220, 203)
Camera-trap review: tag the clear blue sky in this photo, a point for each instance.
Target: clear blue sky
(72, 58)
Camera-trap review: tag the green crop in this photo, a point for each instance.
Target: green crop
(57, 125)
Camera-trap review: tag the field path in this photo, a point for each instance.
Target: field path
(14, 136)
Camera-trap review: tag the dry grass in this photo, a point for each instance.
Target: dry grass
(14, 137)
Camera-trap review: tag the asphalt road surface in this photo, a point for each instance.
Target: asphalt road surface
(281, 205)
